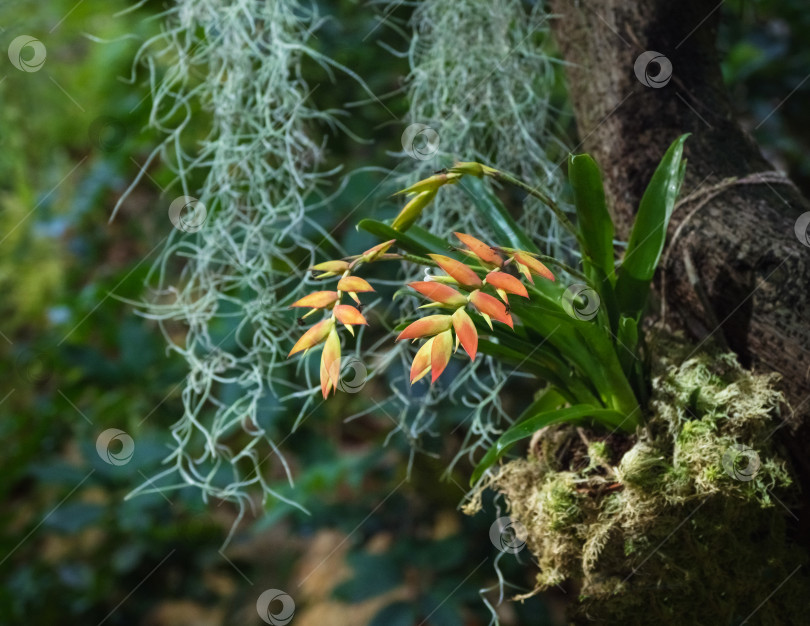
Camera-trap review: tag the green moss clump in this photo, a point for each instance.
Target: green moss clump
(689, 526)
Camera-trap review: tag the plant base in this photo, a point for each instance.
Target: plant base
(688, 523)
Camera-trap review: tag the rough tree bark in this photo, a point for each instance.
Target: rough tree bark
(741, 243)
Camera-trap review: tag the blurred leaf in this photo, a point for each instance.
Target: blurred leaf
(374, 574)
(395, 614)
(440, 608)
(73, 517)
(594, 221)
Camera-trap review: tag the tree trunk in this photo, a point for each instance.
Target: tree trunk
(752, 271)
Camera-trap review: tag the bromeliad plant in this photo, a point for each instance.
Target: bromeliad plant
(583, 340)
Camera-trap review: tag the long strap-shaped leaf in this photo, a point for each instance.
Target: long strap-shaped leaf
(526, 428)
(650, 231)
(592, 214)
(596, 229)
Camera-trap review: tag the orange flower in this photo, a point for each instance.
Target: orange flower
(491, 307)
(354, 284)
(427, 326)
(529, 265)
(313, 336)
(465, 332)
(317, 300)
(440, 353)
(440, 293)
(481, 250)
(329, 268)
(421, 362)
(462, 274)
(506, 283)
(348, 315)
(372, 254)
(330, 363)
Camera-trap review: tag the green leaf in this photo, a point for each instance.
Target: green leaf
(539, 364)
(627, 343)
(593, 218)
(526, 428)
(596, 230)
(437, 244)
(649, 232)
(506, 229)
(547, 399)
(586, 345)
(546, 366)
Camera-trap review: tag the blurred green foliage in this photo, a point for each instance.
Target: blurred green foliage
(77, 361)
(766, 64)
